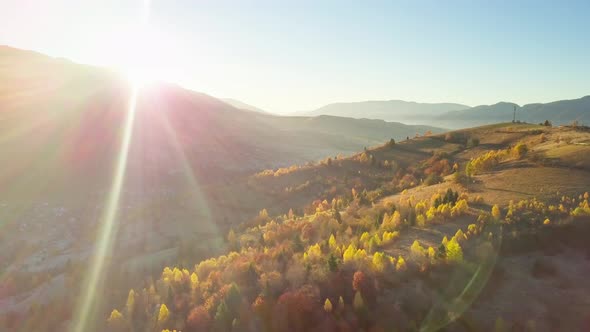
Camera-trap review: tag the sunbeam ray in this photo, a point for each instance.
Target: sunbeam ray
(199, 198)
(109, 226)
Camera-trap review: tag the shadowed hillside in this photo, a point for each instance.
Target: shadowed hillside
(64, 122)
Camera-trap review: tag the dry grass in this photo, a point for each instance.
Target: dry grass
(527, 182)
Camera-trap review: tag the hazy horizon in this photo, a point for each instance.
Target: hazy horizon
(285, 58)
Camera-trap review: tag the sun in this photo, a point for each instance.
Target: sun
(141, 76)
(142, 61)
(143, 54)
(146, 56)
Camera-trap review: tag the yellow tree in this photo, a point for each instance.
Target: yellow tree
(328, 306)
(194, 281)
(388, 237)
(364, 238)
(421, 220)
(460, 236)
(380, 261)
(332, 242)
(431, 213)
(520, 150)
(163, 314)
(496, 212)
(454, 251)
(401, 264)
(130, 305)
(349, 253)
(358, 302)
(396, 219)
(417, 252)
(115, 320)
(460, 208)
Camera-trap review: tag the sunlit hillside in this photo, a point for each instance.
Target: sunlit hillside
(445, 242)
(377, 217)
(294, 166)
(187, 158)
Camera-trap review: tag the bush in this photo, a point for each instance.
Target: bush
(449, 198)
(520, 150)
(456, 137)
(433, 179)
(485, 162)
(472, 142)
(461, 178)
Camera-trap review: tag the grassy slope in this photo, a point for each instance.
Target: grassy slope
(515, 271)
(554, 169)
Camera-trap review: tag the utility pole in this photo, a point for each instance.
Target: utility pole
(514, 115)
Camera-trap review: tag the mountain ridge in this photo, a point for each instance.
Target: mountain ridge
(452, 115)
(389, 110)
(558, 112)
(79, 111)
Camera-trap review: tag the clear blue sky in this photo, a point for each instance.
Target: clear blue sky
(296, 55)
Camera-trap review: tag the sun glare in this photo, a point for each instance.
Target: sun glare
(141, 61)
(142, 52)
(108, 224)
(140, 75)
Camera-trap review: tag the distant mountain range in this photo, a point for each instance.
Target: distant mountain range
(388, 110)
(558, 112)
(450, 115)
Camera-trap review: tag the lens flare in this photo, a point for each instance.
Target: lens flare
(450, 306)
(108, 223)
